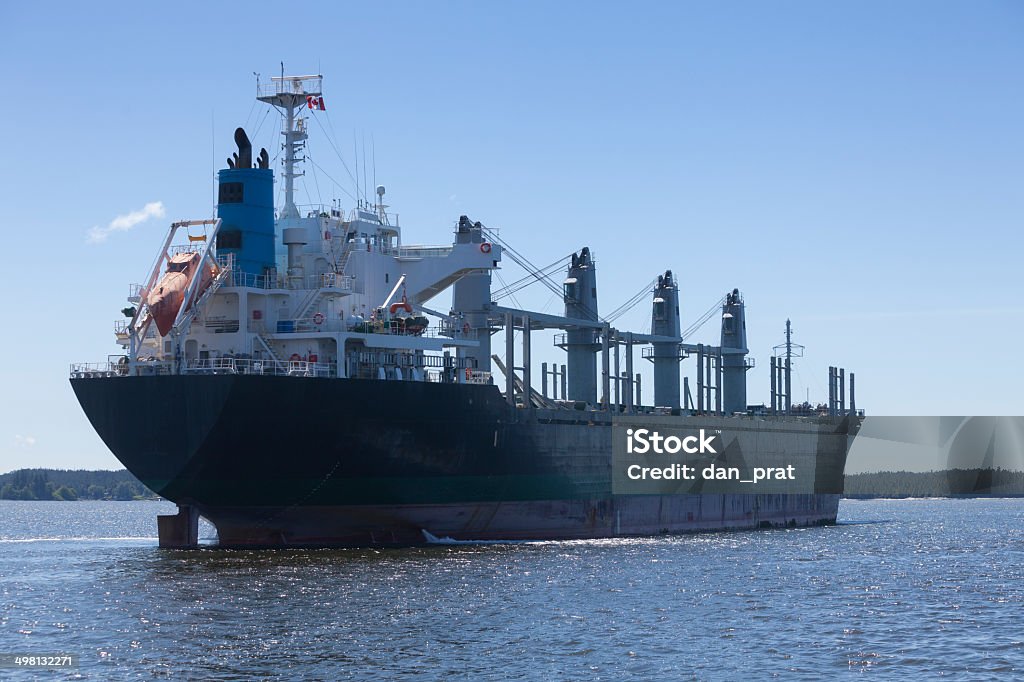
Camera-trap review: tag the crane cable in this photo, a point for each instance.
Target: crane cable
(632, 302)
(703, 318)
(529, 279)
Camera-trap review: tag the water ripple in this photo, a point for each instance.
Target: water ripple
(909, 588)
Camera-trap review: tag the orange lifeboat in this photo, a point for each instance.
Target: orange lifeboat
(401, 305)
(165, 299)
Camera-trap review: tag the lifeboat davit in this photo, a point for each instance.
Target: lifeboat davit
(165, 299)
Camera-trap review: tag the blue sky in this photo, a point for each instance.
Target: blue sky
(856, 166)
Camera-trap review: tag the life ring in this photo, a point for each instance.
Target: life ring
(485, 247)
(468, 374)
(295, 357)
(318, 319)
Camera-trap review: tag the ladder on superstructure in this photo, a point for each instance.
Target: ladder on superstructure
(344, 262)
(308, 303)
(279, 364)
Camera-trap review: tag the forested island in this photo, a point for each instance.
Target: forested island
(69, 485)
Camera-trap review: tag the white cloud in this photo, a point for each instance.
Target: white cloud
(123, 223)
(24, 441)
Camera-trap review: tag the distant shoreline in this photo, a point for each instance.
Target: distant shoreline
(69, 485)
(952, 483)
(973, 496)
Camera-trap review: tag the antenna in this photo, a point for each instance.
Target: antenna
(355, 153)
(213, 164)
(364, 168)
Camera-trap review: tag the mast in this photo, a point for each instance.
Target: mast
(789, 366)
(289, 94)
(782, 371)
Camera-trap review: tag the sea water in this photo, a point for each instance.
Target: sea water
(898, 588)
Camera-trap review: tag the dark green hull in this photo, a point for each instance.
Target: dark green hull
(275, 460)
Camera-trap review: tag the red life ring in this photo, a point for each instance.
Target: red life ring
(318, 319)
(485, 248)
(295, 357)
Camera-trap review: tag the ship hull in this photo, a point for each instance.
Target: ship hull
(618, 516)
(286, 461)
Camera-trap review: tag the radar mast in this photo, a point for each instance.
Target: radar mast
(289, 94)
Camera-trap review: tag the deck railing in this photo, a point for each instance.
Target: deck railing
(301, 368)
(115, 368)
(275, 280)
(118, 368)
(424, 251)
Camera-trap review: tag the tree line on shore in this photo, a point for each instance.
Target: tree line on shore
(70, 485)
(945, 483)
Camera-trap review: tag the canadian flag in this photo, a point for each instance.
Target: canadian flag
(315, 103)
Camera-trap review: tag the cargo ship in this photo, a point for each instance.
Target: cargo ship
(282, 375)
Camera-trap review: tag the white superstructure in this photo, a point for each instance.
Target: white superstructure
(346, 297)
